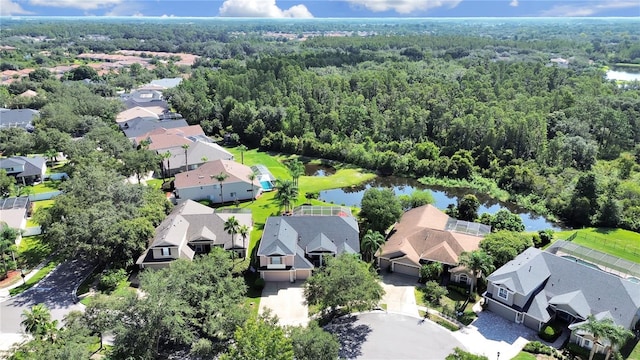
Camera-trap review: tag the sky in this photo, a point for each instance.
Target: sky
(323, 8)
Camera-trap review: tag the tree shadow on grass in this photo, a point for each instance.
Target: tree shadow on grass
(350, 335)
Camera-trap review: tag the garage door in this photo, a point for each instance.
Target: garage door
(302, 274)
(384, 264)
(405, 269)
(276, 275)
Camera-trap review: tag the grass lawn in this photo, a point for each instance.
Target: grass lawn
(523, 355)
(450, 301)
(32, 251)
(635, 354)
(43, 204)
(44, 187)
(35, 279)
(617, 242)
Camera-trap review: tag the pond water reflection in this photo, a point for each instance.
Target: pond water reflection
(442, 196)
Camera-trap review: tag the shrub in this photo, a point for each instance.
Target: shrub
(110, 279)
(536, 347)
(549, 333)
(433, 292)
(259, 283)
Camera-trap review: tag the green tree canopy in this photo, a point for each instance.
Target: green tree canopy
(345, 282)
(313, 343)
(503, 246)
(260, 339)
(380, 209)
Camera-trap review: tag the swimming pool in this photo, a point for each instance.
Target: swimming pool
(582, 262)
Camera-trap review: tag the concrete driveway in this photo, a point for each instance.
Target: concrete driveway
(286, 300)
(489, 334)
(380, 335)
(399, 294)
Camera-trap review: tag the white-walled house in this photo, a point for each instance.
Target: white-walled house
(201, 183)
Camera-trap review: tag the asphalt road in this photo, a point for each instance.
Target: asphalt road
(380, 335)
(55, 291)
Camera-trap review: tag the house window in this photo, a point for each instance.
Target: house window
(166, 251)
(463, 278)
(587, 343)
(276, 260)
(502, 293)
(233, 195)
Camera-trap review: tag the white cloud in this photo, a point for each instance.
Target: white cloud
(8, 8)
(167, 16)
(514, 3)
(262, 8)
(78, 4)
(126, 9)
(404, 6)
(590, 8)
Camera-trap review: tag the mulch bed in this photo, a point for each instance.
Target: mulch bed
(10, 279)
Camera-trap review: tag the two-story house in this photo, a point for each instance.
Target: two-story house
(192, 229)
(27, 170)
(539, 286)
(292, 246)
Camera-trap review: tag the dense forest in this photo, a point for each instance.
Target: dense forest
(477, 103)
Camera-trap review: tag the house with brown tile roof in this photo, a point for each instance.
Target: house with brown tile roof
(424, 235)
(163, 139)
(201, 183)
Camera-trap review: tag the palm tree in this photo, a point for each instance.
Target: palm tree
(287, 193)
(617, 336)
(232, 226)
(167, 170)
(604, 329)
(243, 230)
(220, 177)
(185, 147)
(252, 177)
(371, 242)
(296, 169)
(35, 320)
(479, 262)
(51, 155)
(242, 149)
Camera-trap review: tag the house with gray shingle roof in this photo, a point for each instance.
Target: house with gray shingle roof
(539, 286)
(22, 118)
(25, 169)
(192, 229)
(292, 246)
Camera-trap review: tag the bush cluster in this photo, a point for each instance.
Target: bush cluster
(110, 279)
(549, 333)
(536, 347)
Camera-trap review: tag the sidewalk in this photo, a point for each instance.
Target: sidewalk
(4, 292)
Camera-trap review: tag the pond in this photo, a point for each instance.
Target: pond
(318, 170)
(623, 75)
(442, 196)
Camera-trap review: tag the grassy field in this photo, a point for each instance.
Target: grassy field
(43, 204)
(635, 354)
(617, 242)
(43, 187)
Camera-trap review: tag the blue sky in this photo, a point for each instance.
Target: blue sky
(322, 8)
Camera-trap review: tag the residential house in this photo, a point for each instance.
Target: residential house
(165, 139)
(152, 112)
(292, 246)
(14, 212)
(539, 286)
(198, 153)
(25, 169)
(22, 118)
(192, 229)
(142, 125)
(166, 83)
(201, 183)
(424, 235)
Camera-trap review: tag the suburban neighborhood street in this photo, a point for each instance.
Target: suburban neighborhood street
(56, 291)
